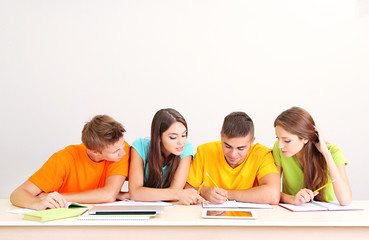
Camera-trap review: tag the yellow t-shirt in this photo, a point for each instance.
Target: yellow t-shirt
(210, 159)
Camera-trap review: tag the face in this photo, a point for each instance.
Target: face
(113, 152)
(173, 140)
(235, 149)
(289, 143)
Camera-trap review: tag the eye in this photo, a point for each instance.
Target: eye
(287, 141)
(172, 138)
(241, 149)
(184, 135)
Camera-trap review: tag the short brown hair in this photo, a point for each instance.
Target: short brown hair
(238, 124)
(101, 131)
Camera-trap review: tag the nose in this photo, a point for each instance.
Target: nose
(180, 141)
(280, 145)
(233, 153)
(122, 152)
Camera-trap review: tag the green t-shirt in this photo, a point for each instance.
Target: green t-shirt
(293, 176)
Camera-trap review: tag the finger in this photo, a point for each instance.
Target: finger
(60, 199)
(56, 200)
(201, 199)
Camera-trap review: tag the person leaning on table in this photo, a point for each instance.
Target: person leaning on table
(238, 169)
(91, 172)
(160, 165)
(307, 161)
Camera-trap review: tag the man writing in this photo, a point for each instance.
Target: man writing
(242, 171)
(91, 172)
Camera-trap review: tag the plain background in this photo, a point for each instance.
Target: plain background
(62, 62)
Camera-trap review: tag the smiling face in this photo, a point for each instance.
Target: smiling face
(235, 149)
(173, 140)
(289, 143)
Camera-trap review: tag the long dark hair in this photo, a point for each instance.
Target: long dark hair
(299, 122)
(156, 159)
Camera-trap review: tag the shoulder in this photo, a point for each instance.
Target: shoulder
(260, 149)
(333, 148)
(211, 146)
(141, 143)
(337, 154)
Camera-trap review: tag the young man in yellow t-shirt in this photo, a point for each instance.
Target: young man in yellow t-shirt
(234, 168)
(91, 172)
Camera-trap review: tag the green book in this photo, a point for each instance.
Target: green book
(52, 214)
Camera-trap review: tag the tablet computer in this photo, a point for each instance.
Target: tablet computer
(228, 213)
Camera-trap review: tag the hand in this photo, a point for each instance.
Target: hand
(214, 194)
(123, 196)
(51, 200)
(190, 197)
(303, 196)
(321, 145)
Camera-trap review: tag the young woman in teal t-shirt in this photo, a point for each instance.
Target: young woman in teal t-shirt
(159, 166)
(307, 161)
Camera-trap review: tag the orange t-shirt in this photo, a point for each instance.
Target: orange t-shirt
(71, 170)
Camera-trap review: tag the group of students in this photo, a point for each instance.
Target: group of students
(164, 167)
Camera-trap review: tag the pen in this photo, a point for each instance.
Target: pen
(214, 183)
(202, 184)
(325, 185)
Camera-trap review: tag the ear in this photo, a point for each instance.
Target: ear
(253, 140)
(305, 140)
(94, 152)
(221, 134)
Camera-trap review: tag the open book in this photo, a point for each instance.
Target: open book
(235, 204)
(319, 206)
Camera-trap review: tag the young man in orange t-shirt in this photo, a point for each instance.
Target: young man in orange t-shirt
(91, 172)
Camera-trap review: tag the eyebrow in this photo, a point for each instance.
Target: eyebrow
(177, 133)
(232, 146)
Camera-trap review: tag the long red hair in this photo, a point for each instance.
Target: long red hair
(299, 122)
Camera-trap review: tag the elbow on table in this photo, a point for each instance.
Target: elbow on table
(274, 197)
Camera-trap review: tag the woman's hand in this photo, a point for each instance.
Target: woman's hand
(189, 196)
(321, 145)
(303, 196)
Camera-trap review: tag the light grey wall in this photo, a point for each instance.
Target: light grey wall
(62, 62)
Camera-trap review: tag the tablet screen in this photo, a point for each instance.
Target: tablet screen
(223, 213)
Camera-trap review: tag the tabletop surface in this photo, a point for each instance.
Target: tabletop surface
(181, 215)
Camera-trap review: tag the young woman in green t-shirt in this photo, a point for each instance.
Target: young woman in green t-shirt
(307, 161)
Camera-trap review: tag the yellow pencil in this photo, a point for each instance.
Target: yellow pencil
(325, 185)
(202, 184)
(214, 183)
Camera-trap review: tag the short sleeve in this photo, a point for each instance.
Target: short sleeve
(188, 151)
(195, 176)
(50, 176)
(277, 154)
(142, 145)
(337, 154)
(267, 165)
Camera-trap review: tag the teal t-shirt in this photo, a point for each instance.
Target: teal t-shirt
(293, 176)
(142, 145)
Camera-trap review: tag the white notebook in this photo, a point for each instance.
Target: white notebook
(319, 206)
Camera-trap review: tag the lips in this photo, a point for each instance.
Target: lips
(179, 149)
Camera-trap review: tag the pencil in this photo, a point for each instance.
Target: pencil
(202, 184)
(325, 185)
(214, 183)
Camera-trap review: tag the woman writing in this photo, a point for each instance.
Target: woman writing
(307, 161)
(160, 165)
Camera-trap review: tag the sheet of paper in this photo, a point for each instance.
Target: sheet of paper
(235, 204)
(21, 211)
(130, 203)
